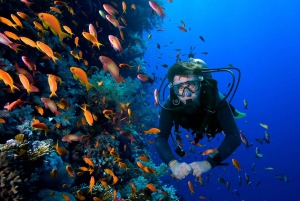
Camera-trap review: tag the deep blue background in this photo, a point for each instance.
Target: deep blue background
(261, 38)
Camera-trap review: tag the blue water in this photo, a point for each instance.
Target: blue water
(261, 38)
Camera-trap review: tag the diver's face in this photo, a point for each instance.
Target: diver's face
(184, 90)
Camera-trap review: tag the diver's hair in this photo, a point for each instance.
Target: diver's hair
(183, 69)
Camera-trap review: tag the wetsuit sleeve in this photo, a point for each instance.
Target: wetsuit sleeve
(161, 141)
(230, 129)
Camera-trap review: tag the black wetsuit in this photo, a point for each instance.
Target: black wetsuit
(225, 118)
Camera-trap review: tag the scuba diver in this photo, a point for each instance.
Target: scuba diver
(195, 103)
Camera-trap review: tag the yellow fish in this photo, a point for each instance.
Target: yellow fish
(264, 126)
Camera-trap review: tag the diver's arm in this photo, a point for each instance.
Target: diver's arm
(230, 128)
(161, 141)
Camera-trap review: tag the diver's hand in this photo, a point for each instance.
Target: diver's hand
(200, 167)
(180, 170)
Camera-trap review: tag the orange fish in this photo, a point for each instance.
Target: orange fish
(88, 161)
(7, 79)
(209, 151)
(52, 22)
(70, 9)
(92, 183)
(96, 199)
(17, 21)
(88, 115)
(76, 41)
(47, 50)
(72, 137)
(123, 165)
(79, 195)
(114, 21)
(92, 39)
(40, 110)
(51, 105)
(151, 187)
(53, 173)
(124, 6)
(103, 182)
(23, 16)
(8, 22)
(124, 21)
(236, 164)
(39, 27)
(112, 67)
(52, 84)
(11, 35)
(29, 42)
(152, 131)
(122, 35)
(133, 189)
(60, 150)
(55, 10)
(140, 164)
(40, 126)
(25, 83)
(191, 187)
(65, 197)
(128, 135)
(79, 74)
(133, 6)
(115, 195)
(68, 30)
(11, 106)
(70, 171)
(130, 114)
(124, 65)
(144, 158)
(75, 55)
(2, 121)
(115, 180)
(109, 172)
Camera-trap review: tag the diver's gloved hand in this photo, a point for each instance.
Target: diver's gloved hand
(200, 167)
(180, 170)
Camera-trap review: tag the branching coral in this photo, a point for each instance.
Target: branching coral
(98, 191)
(10, 173)
(40, 151)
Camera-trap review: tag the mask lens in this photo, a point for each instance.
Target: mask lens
(192, 86)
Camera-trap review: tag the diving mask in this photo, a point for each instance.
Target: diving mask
(192, 86)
